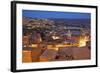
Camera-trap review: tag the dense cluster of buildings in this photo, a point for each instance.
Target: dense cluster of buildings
(43, 41)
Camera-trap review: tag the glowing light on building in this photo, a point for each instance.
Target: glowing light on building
(55, 37)
(52, 47)
(34, 45)
(82, 41)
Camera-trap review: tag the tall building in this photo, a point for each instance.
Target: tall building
(36, 38)
(69, 34)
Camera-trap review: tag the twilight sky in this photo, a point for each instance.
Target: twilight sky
(54, 14)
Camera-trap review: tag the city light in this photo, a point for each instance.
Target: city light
(54, 40)
(55, 37)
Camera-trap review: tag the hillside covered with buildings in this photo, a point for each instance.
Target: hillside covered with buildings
(55, 39)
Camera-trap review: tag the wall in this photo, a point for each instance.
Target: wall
(5, 36)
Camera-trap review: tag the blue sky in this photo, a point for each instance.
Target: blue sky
(54, 14)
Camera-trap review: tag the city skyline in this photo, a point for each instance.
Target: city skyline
(55, 36)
